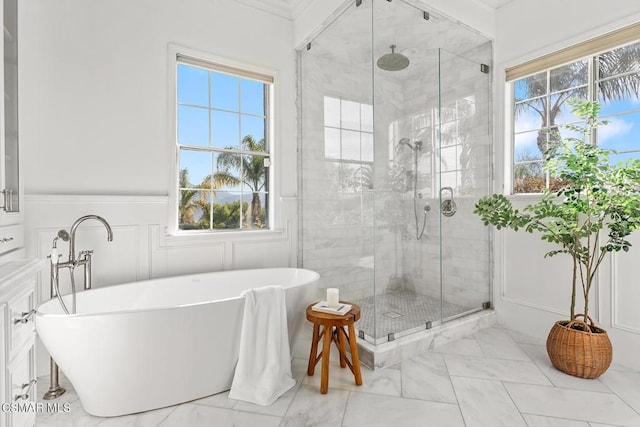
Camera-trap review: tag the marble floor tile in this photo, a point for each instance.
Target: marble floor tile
(426, 377)
(310, 408)
(278, 408)
(495, 369)
(364, 409)
(573, 404)
(625, 384)
(462, 346)
(485, 403)
(540, 421)
(382, 381)
(538, 354)
(145, 419)
(200, 415)
(299, 368)
(220, 400)
(521, 338)
(496, 342)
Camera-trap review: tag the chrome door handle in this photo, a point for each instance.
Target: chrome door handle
(447, 205)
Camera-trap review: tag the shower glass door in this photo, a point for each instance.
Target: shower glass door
(463, 153)
(407, 234)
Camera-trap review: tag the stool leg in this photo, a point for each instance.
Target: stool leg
(354, 354)
(343, 347)
(314, 350)
(326, 350)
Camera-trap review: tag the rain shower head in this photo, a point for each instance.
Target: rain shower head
(393, 61)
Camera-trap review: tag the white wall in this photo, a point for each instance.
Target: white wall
(94, 118)
(531, 292)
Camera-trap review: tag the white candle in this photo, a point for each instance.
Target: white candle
(333, 298)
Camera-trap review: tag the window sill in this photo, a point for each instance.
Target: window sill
(180, 237)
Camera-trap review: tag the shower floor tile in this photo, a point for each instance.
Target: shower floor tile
(399, 311)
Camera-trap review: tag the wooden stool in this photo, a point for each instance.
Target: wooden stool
(339, 336)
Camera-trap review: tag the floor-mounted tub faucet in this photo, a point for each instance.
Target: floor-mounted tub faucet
(83, 259)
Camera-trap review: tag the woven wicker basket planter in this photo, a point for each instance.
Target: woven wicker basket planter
(585, 353)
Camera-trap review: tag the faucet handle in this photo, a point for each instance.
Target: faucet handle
(85, 253)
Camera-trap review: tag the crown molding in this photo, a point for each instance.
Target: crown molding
(281, 8)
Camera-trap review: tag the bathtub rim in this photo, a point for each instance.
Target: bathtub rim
(54, 300)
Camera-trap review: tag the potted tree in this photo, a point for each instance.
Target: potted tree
(595, 209)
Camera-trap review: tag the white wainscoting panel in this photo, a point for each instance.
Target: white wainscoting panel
(626, 287)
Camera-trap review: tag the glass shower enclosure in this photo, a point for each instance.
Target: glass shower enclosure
(394, 150)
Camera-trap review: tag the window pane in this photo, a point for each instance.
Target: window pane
(227, 175)
(528, 178)
(224, 91)
(331, 112)
(193, 85)
(622, 157)
(526, 146)
(448, 159)
(350, 145)
(193, 209)
(252, 97)
(331, 143)
(226, 209)
(366, 117)
(622, 133)
(366, 147)
(619, 94)
(350, 178)
(196, 166)
(193, 126)
(254, 127)
(449, 134)
(225, 129)
(255, 214)
(619, 61)
(560, 110)
(254, 174)
(529, 115)
(449, 179)
(531, 87)
(350, 115)
(568, 76)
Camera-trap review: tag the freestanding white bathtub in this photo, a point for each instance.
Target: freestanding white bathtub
(155, 343)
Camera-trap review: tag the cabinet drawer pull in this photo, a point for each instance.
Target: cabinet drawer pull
(6, 239)
(24, 317)
(28, 386)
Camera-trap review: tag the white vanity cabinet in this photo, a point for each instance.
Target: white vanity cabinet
(17, 309)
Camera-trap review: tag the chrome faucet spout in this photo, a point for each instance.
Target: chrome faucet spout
(72, 232)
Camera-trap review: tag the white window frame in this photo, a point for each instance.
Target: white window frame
(271, 132)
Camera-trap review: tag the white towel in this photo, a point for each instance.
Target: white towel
(263, 372)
